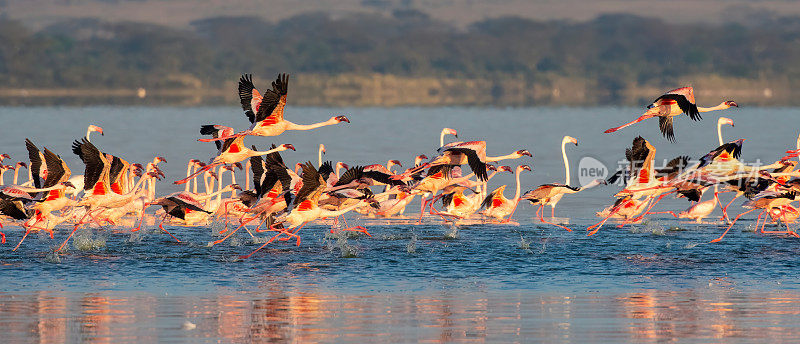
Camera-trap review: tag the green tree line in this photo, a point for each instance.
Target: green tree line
(613, 50)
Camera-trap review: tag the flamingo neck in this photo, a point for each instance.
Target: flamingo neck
(2, 172)
(719, 132)
(278, 149)
(88, 132)
(516, 193)
(16, 174)
(233, 181)
(319, 157)
(721, 106)
(247, 175)
(338, 168)
(441, 138)
(189, 170)
(566, 162)
(514, 155)
(294, 126)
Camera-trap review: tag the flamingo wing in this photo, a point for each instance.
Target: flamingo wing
(665, 125)
(312, 183)
(14, 209)
(57, 171)
(185, 200)
(686, 105)
(216, 130)
(730, 149)
(94, 160)
(249, 96)
(36, 159)
(350, 175)
(475, 162)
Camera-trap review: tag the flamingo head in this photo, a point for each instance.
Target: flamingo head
(238, 165)
(194, 161)
(212, 174)
(4, 156)
(287, 146)
(570, 139)
(491, 167)
(200, 164)
(524, 167)
(234, 187)
(449, 131)
(524, 152)
(395, 163)
(322, 148)
(93, 127)
(506, 169)
(342, 165)
(20, 164)
(68, 184)
(159, 159)
(340, 119)
(137, 172)
(725, 120)
(731, 103)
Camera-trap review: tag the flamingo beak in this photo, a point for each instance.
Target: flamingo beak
(526, 167)
(342, 119)
(526, 152)
(423, 156)
(345, 166)
(68, 184)
(397, 162)
(289, 146)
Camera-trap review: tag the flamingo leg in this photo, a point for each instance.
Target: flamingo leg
(731, 225)
(725, 209)
(20, 241)
(641, 118)
(161, 226)
(73, 230)
(422, 210)
(2, 238)
(603, 221)
(541, 218)
(512, 212)
(197, 173)
(262, 246)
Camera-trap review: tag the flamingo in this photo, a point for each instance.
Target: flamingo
(266, 112)
(765, 201)
(232, 151)
(305, 207)
(671, 104)
(460, 153)
(13, 199)
(179, 204)
(701, 210)
(497, 205)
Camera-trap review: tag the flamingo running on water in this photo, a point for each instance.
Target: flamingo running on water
(550, 194)
(497, 205)
(232, 151)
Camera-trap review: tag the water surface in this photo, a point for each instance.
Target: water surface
(655, 281)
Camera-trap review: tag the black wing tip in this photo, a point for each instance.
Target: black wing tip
(207, 129)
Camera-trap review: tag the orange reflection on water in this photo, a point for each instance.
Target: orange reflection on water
(276, 314)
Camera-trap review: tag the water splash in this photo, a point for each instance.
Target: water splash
(452, 233)
(341, 244)
(524, 244)
(411, 247)
(85, 240)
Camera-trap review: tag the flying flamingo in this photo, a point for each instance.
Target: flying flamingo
(671, 104)
(460, 153)
(497, 205)
(266, 112)
(232, 151)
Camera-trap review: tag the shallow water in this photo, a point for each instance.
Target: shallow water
(649, 282)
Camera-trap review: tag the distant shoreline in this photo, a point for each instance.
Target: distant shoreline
(390, 91)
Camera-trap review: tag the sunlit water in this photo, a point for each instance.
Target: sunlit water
(649, 282)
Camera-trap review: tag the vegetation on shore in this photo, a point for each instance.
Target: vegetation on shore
(409, 58)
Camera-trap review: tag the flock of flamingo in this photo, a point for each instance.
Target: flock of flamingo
(283, 199)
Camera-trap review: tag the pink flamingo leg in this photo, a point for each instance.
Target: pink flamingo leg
(161, 225)
(541, 218)
(641, 118)
(731, 225)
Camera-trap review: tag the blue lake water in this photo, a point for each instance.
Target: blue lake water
(651, 282)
